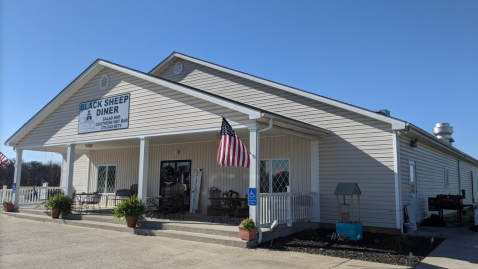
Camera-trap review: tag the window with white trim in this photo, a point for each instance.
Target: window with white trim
(447, 183)
(274, 175)
(106, 178)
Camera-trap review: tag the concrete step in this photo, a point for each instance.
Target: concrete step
(156, 224)
(121, 227)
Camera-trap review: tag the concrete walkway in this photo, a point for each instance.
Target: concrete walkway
(459, 250)
(34, 244)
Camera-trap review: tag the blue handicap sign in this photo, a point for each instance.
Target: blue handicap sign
(252, 196)
(14, 187)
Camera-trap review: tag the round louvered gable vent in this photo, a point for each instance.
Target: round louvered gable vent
(104, 82)
(178, 68)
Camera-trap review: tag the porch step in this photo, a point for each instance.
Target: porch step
(121, 227)
(161, 224)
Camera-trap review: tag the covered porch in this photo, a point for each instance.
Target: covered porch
(284, 167)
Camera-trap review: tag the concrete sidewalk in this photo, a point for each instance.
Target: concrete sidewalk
(34, 244)
(459, 250)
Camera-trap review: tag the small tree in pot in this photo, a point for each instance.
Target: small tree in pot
(59, 204)
(131, 209)
(8, 206)
(247, 229)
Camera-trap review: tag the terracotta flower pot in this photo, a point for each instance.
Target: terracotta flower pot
(131, 221)
(55, 213)
(8, 208)
(248, 235)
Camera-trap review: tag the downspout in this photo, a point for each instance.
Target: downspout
(258, 143)
(459, 178)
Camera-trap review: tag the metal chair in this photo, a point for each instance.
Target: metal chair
(92, 201)
(220, 209)
(174, 207)
(133, 190)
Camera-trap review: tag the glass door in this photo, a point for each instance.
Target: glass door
(175, 172)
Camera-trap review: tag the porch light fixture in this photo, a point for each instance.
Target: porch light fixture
(414, 143)
(88, 146)
(177, 151)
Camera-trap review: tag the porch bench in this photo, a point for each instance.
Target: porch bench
(121, 194)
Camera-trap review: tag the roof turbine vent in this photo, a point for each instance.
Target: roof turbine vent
(443, 132)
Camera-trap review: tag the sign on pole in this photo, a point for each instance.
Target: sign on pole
(252, 196)
(14, 187)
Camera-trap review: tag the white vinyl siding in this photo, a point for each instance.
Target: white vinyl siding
(360, 149)
(153, 109)
(203, 155)
(79, 172)
(430, 174)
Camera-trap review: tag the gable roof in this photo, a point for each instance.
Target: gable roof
(99, 64)
(397, 124)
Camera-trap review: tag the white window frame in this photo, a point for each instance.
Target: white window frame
(446, 177)
(270, 169)
(106, 180)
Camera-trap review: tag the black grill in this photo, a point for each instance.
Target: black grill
(447, 201)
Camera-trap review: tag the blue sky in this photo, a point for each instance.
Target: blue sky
(419, 59)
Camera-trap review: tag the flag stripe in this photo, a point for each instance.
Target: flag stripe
(231, 151)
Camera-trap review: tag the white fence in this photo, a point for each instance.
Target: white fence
(28, 195)
(288, 207)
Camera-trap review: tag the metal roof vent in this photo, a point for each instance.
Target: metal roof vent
(384, 112)
(178, 68)
(443, 132)
(104, 82)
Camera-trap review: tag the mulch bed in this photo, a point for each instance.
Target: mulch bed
(374, 247)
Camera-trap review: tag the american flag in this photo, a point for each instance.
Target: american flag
(231, 151)
(4, 160)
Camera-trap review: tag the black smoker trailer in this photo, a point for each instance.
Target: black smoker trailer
(449, 202)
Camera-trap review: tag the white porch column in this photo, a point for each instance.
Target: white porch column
(143, 168)
(314, 175)
(17, 178)
(254, 171)
(87, 176)
(70, 164)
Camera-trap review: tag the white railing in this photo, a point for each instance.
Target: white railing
(28, 195)
(288, 207)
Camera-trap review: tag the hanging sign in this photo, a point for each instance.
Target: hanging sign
(110, 113)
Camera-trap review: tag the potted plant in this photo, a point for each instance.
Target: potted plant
(8, 206)
(59, 204)
(131, 209)
(247, 230)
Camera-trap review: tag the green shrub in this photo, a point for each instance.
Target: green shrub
(61, 202)
(5, 202)
(130, 207)
(247, 224)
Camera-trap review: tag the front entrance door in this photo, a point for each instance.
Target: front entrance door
(413, 208)
(175, 172)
